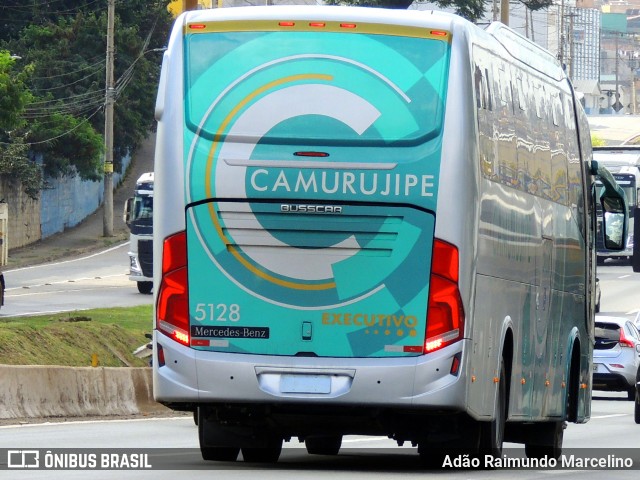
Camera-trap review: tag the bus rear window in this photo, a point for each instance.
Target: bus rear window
(315, 87)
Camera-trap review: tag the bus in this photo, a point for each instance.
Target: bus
(138, 216)
(623, 161)
(371, 222)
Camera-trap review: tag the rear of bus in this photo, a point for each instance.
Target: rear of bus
(297, 178)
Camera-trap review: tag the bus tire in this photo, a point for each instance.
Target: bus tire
(492, 433)
(572, 398)
(432, 455)
(213, 453)
(145, 287)
(323, 444)
(269, 454)
(219, 454)
(548, 442)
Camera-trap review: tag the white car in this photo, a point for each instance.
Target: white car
(616, 355)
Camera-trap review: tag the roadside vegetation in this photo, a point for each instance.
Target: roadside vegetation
(72, 338)
(52, 85)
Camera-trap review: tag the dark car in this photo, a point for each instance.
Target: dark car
(616, 355)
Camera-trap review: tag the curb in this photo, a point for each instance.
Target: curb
(56, 391)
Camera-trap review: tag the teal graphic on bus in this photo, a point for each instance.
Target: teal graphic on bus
(297, 240)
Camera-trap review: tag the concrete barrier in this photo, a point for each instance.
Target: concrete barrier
(56, 391)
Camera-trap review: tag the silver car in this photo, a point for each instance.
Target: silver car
(616, 355)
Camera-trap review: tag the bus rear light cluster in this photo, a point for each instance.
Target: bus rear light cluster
(445, 314)
(172, 309)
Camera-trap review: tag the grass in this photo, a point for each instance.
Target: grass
(72, 338)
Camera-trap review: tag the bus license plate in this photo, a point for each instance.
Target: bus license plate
(305, 384)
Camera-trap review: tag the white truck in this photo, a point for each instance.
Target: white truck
(4, 245)
(138, 215)
(623, 161)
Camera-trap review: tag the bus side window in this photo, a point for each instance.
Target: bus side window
(574, 168)
(477, 81)
(559, 169)
(489, 104)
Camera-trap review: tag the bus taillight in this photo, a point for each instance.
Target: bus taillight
(445, 315)
(172, 311)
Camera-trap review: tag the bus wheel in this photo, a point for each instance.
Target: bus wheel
(432, 455)
(220, 454)
(548, 441)
(323, 444)
(145, 287)
(213, 453)
(492, 433)
(269, 454)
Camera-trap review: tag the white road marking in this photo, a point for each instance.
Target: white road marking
(102, 252)
(611, 416)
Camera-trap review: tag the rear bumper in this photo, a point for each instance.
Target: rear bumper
(615, 382)
(191, 376)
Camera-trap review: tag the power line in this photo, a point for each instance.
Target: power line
(87, 67)
(48, 140)
(66, 85)
(47, 3)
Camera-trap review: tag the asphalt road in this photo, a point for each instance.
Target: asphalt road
(611, 430)
(97, 280)
(620, 289)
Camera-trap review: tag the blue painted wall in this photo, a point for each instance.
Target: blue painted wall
(71, 200)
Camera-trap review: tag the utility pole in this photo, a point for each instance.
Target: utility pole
(108, 125)
(572, 15)
(561, 37)
(617, 95)
(504, 12)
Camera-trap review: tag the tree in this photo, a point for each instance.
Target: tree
(472, 10)
(64, 42)
(13, 93)
(14, 159)
(537, 4)
(396, 4)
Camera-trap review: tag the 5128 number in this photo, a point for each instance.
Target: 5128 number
(217, 312)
